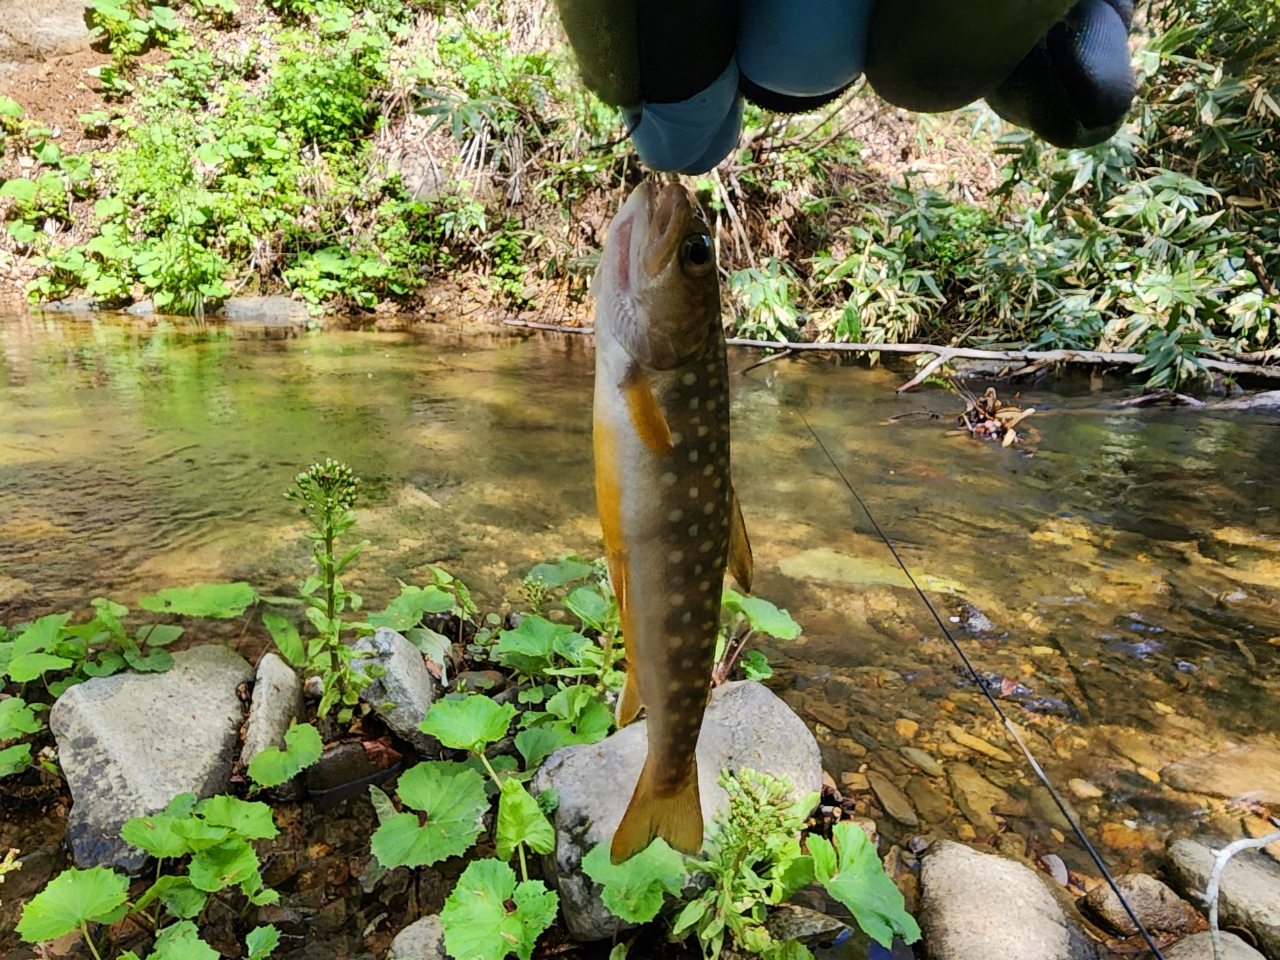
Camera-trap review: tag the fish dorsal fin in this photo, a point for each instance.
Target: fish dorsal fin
(741, 564)
(646, 416)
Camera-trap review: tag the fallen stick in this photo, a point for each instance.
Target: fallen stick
(553, 327)
(972, 353)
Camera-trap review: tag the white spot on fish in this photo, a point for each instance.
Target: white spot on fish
(687, 617)
(675, 515)
(687, 663)
(677, 599)
(675, 556)
(708, 508)
(693, 530)
(697, 568)
(693, 493)
(713, 382)
(689, 379)
(716, 483)
(711, 368)
(704, 546)
(711, 404)
(711, 446)
(703, 431)
(693, 403)
(693, 456)
(668, 479)
(708, 470)
(677, 439)
(705, 585)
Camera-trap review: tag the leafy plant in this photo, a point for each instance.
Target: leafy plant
(742, 618)
(636, 889)
(272, 766)
(72, 900)
(852, 873)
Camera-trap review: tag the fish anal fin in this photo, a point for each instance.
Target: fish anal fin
(646, 416)
(741, 565)
(630, 702)
(676, 817)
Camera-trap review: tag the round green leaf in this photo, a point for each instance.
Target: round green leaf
(228, 864)
(634, 889)
(70, 899)
(468, 724)
(521, 820)
(454, 803)
(476, 920)
(155, 834)
(274, 766)
(249, 819)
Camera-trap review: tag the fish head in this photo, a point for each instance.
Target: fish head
(660, 263)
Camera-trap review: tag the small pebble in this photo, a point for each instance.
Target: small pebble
(907, 729)
(1149, 774)
(855, 782)
(1084, 789)
(1054, 866)
(966, 832)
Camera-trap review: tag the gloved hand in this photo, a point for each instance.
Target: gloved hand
(680, 70)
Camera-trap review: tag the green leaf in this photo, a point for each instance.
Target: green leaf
(634, 889)
(16, 719)
(47, 152)
(30, 666)
(157, 661)
(23, 189)
(584, 717)
(589, 605)
(756, 666)
(155, 834)
(15, 759)
(10, 108)
(857, 879)
(406, 610)
(529, 648)
(248, 819)
(521, 820)
(181, 941)
(198, 834)
(762, 615)
(178, 896)
(288, 642)
(468, 724)
(453, 801)
(221, 600)
(106, 664)
(477, 923)
(72, 898)
(41, 635)
(262, 942)
(108, 207)
(158, 634)
(561, 572)
(536, 744)
(228, 864)
(273, 766)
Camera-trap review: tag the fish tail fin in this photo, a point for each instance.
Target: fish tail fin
(630, 702)
(677, 818)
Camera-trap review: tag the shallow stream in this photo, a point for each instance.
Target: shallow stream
(1115, 577)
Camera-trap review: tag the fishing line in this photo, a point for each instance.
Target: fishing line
(995, 705)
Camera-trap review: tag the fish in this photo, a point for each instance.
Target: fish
(668, 511)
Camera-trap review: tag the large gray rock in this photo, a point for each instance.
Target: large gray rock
(277, 702)
(745, 726)
(979, 906)
(1159, 908)
(40, 29)
(268, 311)
(130, 743)
(421, 940)
(1200, 947)
(407, 684)
(1249, 893)
(1250, 773)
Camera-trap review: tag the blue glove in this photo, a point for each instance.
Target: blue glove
(681, 69)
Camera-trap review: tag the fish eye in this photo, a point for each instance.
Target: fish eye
(695, 254)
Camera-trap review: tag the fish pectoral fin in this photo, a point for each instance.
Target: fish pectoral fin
(676, 818)
(741, 565)
(646, 416)
(630, 702)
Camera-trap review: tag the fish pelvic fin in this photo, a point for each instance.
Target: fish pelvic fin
(676, 818)
(646, 416)
(630, 702)
(741, 564)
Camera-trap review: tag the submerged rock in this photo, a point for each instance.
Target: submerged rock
(745, 726)
(979, 906)
(976, 797)
(1159, 908)
(277, 702)
(1200, 947)
(402, 697)
(1251, 773)
(1249, 893)
(264, 310)
(421, 940)
(894, 801)
(929, 802)
(130, 743)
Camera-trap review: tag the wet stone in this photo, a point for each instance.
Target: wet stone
(865, 739)
(1012, 845)
(894, 801)
(1200, 947)
(1251, 773)
(402, 697)
(277, 702)
(929, 803)
(976, 797)
(130, 743)
(1159, 908)
(790, 922)
(1249, 894)
(925, 763)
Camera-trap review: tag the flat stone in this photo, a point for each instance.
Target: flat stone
(906, 729)
(976, 796)
(1251, 773)
(1084, 789)
(40, 29)
(1249, 893)
(402, 697)
(1159, 908)
(923, 762)
(130, 743)
(929, 803)
(277, 702)
(864, 738)
(826, 715)
(1120, 836)
(790, 922)
(1137, 748)
(1043, 809)
(977, 744)
(1200, 947)
(894, 801)
(265, 310)
(745, 727)
(421, 940)
(979, 906)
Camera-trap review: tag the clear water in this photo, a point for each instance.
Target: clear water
(1127, 560)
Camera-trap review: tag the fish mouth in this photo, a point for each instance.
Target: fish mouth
(670, 213)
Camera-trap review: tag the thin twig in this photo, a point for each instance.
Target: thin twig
(555, 327)
(924, 373)
(768, 359)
